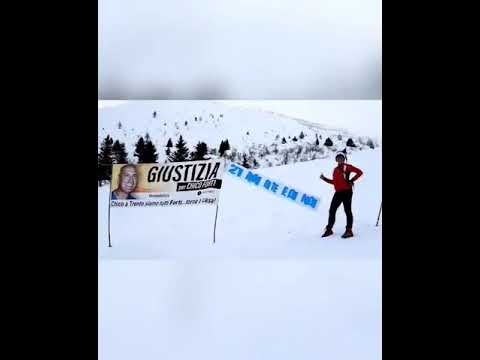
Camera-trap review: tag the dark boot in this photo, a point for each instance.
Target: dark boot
(327, 232)
(347, 234)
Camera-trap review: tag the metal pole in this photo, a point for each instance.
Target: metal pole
(109, 203)
(215, 225)
(218, 199)
(378, 219)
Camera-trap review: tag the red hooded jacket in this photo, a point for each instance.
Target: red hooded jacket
(339, 177)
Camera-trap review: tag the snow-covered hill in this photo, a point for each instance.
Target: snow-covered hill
(256, 133)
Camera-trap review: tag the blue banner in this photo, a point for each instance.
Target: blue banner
(274, 187)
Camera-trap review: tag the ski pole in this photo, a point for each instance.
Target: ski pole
(378, 219)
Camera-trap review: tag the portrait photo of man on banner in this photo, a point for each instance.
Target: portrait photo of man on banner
(127, 183)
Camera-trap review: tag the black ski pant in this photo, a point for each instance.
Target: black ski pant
(340, 197)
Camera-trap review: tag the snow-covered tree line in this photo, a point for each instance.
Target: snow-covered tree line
(280, 152)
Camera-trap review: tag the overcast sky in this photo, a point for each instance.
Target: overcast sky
(240, 49)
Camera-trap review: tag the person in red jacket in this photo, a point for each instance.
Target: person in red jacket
(343, 193)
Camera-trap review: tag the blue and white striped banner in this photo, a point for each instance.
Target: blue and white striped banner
(274, 187)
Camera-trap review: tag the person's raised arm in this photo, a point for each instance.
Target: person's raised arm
(326, 179)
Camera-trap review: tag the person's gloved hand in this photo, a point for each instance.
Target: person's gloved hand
(322, 177)
(350, 182)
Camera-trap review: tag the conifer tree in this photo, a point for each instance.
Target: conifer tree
(181, 152)
(105, 159)
(201, 150)
(119, 153)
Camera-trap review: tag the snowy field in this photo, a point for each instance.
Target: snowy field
(237, 310)
(270, 288)
(251, 222)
